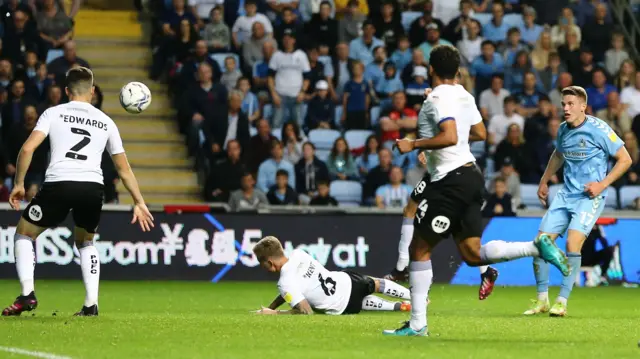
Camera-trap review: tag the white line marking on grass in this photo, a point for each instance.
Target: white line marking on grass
(32, 353)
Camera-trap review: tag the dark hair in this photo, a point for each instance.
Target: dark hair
(247, 173)
(488, 42)
(334, 150)
(296, 130)
(365, 155)
(251, 2)
(599, 69)
(575, 91)
(275, 142)
(282, 173)
(352, 3)
(518, 55)
(500, 179)
(322, 183)
(325, 2)
(287, 8)
(79, 80)
(497, 75)
(375, 49)
(529, 72)
(234, 141)
(509, 99)
(543, 97)
(308, 143)
(216, 8)
(445, 61)
(513, 30)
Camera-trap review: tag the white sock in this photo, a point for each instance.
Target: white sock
(501, 251)
(543, 296)
(90, 265)
(562, 300)
(371, 302)
(25, 262)
(393, 289)
(483, 269)
(406, 235)
(420, 277)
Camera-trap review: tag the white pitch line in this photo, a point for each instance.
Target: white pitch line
(32, 353)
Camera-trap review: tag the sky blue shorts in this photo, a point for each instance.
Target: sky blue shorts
(579, 213)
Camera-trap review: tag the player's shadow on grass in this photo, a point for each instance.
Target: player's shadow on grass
(508, 341)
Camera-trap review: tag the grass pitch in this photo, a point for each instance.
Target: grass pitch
(204, 320)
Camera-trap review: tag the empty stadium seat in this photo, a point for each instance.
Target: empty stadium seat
(628, 194)
(337, 115)
(478, 149)
(346, 192)
(357, 138)
(529, 195)
(219, 58)
(408, 17)
(514, 20)
(253, 131)
(323, 154)
(483, 18)
(54, 54)
(277, 133)
(374, 115)
(323, 138)
(611, 202)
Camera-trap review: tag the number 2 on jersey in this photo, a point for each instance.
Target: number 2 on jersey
(86, 139)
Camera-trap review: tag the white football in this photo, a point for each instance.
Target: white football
(135, 97)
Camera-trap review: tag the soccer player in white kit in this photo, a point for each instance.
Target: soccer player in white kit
(308, 286)
(79, 133)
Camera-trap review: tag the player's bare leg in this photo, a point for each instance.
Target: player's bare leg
(24, 239)
(470, 250)
(575, 240)
(90, 265)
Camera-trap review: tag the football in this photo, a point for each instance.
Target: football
(135, 97)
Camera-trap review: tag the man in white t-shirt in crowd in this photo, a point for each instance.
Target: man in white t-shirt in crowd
(630, 96)
(78, 135)
(241, 29)
(500, 123)
(288, 82)
(309, 287)
(492, 99)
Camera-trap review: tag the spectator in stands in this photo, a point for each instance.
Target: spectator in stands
(55, 27)
(97, 98)
(288, 24)
(630, 96)
(631, 144)
(597, 33)
(541, 52)
(483, 67)
(260, 144)
(529, 97)
(416, 173)
(38, 85)
(231, 73)
(395, 194)
(543, 147)
(598, 91)
(512, 181)
(564, 80)
(187, 38)
(223, 127)
(417, 31)
(549, 76)
(615, 114)
(242, 27)
(566, 23)
(388, 27)
(388, 85)
(217, 34)
(317, 71)
(225, 175)
(626, 75)
(323, 198)
(340, 163)
(455, 30)
(402, 56)
(287, 83)
(616, 55)
(343, 67)
(417, 59)
(292, 140)
(374, 71)
(377, 177)
(189, 71)
(470, 45)
(513, 147)
(535, 126)
(499, 202)
(500, 123)
(28, 69)
(12, 112)
(310, 171)
(570, 52)
(514, 75)
(351, 22)
(171, 30)
(433, 39)
(250, 103)
(59, 67)
(492, 99)
(9, 9)
(322, 28)
(19, 134)
(584, 75)
(513, 46)
(361, 48)
(356, 100)
(247, 197)
(530, 30)
(282, 193)
(253, 45)
(260, 71)
(268, 168)
(496, 29)
(415, 89)
(18, 36)
(369, 158)
(54, 98)
(203, 10)
(321, 109)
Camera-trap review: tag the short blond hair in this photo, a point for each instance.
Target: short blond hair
(268, 247)
(576, 91)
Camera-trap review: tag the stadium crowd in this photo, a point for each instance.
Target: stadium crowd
(292, 102)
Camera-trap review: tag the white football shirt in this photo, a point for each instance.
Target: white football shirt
(290, 68)
(448, 103)
(78, 133)
(303, 277)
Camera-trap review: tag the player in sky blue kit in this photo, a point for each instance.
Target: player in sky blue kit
(584, 144)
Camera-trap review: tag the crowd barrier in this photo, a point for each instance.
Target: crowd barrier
(189, 243)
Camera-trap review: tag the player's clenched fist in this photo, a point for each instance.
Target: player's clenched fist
(543, 193)
(405, 145)
(593, 189)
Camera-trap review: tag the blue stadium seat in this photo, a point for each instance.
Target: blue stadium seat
(303, 113)
(408, 17)
(483, 18)
(253, 131)
(374, 115)
(337, 115)
(553, 191)
(54, 54)
(514, 20)
(611, 202)
(267, 111)
(529, 195)
(346, 192)
(219, 58)
(627, 195)
(323, 155)
(478, 149)
(357, 138)
(277, 133)
(323, 138)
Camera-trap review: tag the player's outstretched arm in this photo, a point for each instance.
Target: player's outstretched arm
(141, 213)
(277, 302)
(22, 166)
(301, 308)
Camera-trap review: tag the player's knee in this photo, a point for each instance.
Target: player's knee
(409, 210)
(419, 250)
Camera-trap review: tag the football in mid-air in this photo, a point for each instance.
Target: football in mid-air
(135, 97)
